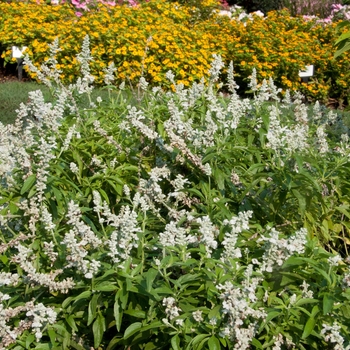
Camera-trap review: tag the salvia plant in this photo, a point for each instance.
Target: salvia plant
(191, 219)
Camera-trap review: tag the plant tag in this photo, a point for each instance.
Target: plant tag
(307, 72)
(18, 52)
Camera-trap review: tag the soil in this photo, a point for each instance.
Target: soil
(10, 73)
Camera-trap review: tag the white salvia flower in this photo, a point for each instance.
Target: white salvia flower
(300, 109)
(179, 322)
(173, 235)
(236, 304)
(74, 168)
(197, 315)
(306, 293)
(46, 218)
(317, 112)
(208, 233)
(8, 279)
(41, 317)
(49, 251)
(292, 300)
(98, 207)
(171, 310)
(213, 321)
(124, 237)
(126, 190)
(253, 84)
(277, 250)
(331, 117)
(346, 280)
(122, 86)
(69, 136)
(170, 76)
(334, 260)
(143, 84)
(42, 279)
(273, 90)
(4, 297)
(278, 342)
(216, 67)
(322, 140)
(98, 99)
(109, 73)
(237, 225)
(286, 101)
(332, 334)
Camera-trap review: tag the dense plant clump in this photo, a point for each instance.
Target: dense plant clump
(149, 39)
(182, 220)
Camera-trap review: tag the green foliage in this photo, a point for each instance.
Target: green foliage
(189, 219)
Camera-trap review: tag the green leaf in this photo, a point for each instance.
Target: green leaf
(29, 340)
(98, 328)
(113, 343)
(214, 343)
(104, 195)
(150, 275)
(175, 342)
(70, 320)
(106, 287)
(52, 334)
(309, 327)
(66, 302)
(136, 313)
(132, 329)
(84, 295)
(28, 183)
(257, 344)
(301, 199)
(306, 301)
(92, 310)
(118, 315)
(328, 301)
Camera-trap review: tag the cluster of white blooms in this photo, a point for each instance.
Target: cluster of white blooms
(197, 316)
(136, 118)
(283, 139)
(78, 240)
(346, 280)
(109, 73)
(279, 341)
(38, 317)
(208, 234)
(216, 66)
(332, 334)
(173, 235)
(124, 236)
(334, 260)
(344, 147)
(277, 251)
(73, 168)
(322, 140)
(23, 259)
(179, 185)
(151, 188)
(306, 292)
(8, 279)
(237, 305)
(41, 317)
(84, 85)
(237, 225)
(171, 310)
(46, 218)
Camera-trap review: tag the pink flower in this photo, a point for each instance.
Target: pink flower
(78, 14)
(337, 7)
